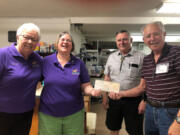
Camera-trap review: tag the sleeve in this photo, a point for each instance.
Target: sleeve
(41, 61)
(42, 77)
(43, 67)
(142, 69)
(177, 62)
(141, 62)
(84, 76)
(2, 58)
(107, 66)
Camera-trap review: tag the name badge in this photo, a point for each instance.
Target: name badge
(162, 68)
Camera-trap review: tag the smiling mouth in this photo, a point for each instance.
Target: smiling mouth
(64, 46)
(154, 43)
(28, 46)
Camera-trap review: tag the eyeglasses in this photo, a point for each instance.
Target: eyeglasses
(27, 38)
(155, 34)
(67, 40)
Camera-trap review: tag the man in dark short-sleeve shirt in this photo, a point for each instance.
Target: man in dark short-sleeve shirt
(160, 79)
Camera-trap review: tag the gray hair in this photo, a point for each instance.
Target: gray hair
(28, 26)
(157, 23)
(62, 34)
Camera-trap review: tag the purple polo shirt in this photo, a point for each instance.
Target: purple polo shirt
(62, 93)
(18, 80)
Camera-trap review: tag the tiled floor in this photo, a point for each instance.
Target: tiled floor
(100, 122)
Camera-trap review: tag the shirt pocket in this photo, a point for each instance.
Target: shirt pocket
(134, 70)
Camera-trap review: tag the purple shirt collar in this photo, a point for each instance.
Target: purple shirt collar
(72, 60)
(15, 52)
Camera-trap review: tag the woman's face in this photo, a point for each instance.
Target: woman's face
(27, 41)
(65, 44)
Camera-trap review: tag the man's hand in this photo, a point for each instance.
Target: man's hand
(120, 95)
(142, 107)
(174, 128)
(117, 96)
(112, 95)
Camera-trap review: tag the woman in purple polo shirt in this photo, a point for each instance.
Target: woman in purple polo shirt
(61, 102)
(20, 71)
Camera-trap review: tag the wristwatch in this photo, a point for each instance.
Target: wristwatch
(178, 119)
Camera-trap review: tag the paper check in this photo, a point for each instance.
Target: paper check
(107, 86)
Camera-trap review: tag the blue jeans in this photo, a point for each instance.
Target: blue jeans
(158, 120)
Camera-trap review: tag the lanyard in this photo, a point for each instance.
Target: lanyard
(122, 59)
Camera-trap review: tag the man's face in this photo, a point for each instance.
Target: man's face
(154, 37)
(123, 42)
(27, 41)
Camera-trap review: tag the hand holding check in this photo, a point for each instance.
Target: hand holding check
(112, 87)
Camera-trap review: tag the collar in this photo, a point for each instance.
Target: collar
(164, 53)
(130, 53)
(15, 52)
(71, 62)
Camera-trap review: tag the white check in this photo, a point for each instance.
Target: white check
(107, 86)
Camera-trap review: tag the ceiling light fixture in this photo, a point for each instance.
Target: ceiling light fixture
(170, 7)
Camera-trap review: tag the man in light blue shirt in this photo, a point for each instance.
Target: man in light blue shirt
(124, 67)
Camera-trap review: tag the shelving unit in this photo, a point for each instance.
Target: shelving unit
(94, 57)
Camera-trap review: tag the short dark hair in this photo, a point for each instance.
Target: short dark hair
(122, 31)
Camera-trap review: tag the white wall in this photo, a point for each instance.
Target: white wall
(78, 38)
(50, 28)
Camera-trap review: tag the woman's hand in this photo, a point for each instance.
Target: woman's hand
(96, 92)
(89, 90)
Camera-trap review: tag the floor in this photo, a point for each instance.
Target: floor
(100, 122)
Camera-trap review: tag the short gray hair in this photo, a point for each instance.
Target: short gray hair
(157, 23)
(28, 26)
(64, 33)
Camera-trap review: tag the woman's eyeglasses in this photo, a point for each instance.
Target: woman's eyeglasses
(27, 38)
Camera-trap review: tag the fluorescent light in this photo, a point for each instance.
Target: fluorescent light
(172, 1)
(169, 38)
(170, 8)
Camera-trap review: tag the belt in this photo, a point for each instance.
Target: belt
(135, 99)
(163, 104)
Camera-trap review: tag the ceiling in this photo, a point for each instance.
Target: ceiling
(77, 8)
(97, 18)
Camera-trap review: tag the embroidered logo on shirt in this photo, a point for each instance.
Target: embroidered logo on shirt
(75, 72)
